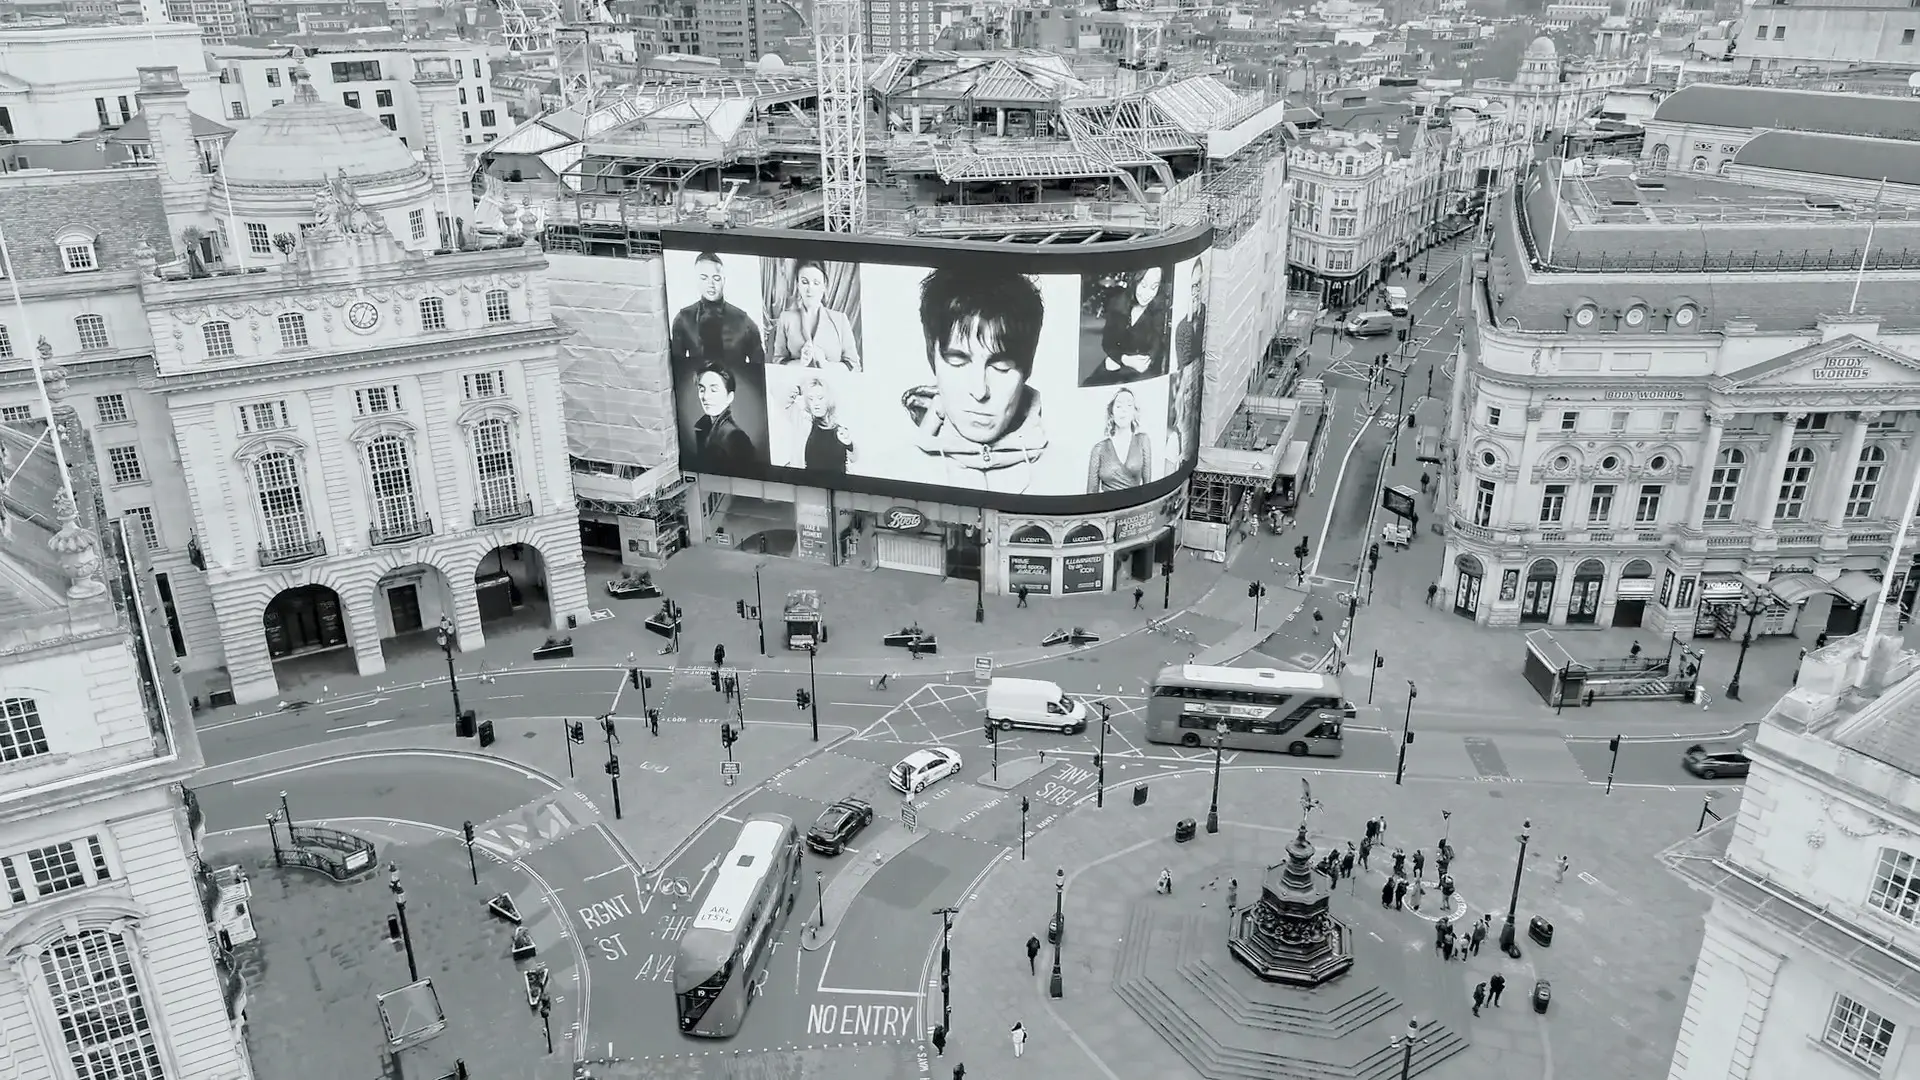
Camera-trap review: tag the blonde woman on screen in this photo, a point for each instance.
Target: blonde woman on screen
(810, 333)
(1122, 459)
(821, 442)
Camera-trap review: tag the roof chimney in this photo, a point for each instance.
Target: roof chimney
(303, 84)
(183, 174)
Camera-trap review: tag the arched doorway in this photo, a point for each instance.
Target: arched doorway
(1583, 606)
(510, 586)
(408, 603)
(1631, 595)
(306, 628)
(1536, 599)
(1468, 573)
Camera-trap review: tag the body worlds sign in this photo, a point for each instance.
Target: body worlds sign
(1842, 369)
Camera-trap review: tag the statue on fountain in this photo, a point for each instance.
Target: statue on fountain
(1290, 935)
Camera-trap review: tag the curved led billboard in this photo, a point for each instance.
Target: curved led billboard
(1020, 377)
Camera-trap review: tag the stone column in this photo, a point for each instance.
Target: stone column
(1834, 502)
(1703, 472)
(1775, 474)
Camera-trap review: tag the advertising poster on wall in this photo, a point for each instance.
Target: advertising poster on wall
(1034, 573)
(1081, 573)
(1052, 381)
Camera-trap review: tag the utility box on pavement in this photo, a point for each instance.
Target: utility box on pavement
(1140, 794)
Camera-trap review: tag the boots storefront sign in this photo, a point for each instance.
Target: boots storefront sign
(902, 519)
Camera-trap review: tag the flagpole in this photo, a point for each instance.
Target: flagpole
(33, 358)
(1553, 229)
(238, 241)
(1867, 249)
(1899, 542)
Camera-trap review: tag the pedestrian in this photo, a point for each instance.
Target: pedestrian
(1021, 595)
(1019, 1035)
(1446, 946)
(1479, 935)
(1821, 641)
(960, 1071)
(1495, 987)
(913, 647)
(1433, 589)
(1138, 592)
(1479, 998)
(939, 1040)
(1419, 861)
(1399, 894)
(1166, 882)
(1386, 894)
(719, 655)
(1440, 936)
(1560, 869)
(1413, 523)
(1346, 864)
(1033, 956)
(1446, 890)
(1399, 862)
(1233, 896)
(1373, 829)
(1317, 620)
(1419, 891)
(1425, 479)
(1366, 849)
(1443, 859)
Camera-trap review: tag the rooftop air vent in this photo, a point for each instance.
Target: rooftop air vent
(1648, 183)
(1823, 202)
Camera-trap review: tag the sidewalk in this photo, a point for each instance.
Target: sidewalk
(323, 955)
(1628, 931)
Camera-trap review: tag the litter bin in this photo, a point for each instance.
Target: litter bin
(1540, 930)
(463, 725)
(486, 733)
(1139, 794)
(1183, 830)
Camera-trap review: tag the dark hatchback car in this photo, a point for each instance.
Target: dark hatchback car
(838, 825)
(1714, 762)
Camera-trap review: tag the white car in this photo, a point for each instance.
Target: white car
(918, 770)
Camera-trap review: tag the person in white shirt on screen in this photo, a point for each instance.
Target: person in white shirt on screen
(977, 425)
(809, 332)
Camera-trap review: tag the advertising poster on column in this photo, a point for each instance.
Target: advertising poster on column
(1024, 378)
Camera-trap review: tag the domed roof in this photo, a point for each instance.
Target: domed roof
(1542, 49)
(308, 141)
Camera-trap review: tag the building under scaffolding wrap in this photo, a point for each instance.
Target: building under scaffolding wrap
(1014, 147)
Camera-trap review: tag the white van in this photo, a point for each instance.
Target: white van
(1396, 300)
(1370, 323)
(1034, 703)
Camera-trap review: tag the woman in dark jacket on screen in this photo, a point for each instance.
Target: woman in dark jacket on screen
(1138, 327)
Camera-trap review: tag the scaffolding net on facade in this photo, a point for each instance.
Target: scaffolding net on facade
(613, 366)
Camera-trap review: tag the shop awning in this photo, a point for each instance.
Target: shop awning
(1796, 588)
(1857, 586)
(1634, 589)
(1722, 589)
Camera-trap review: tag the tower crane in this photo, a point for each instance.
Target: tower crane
(840, 52)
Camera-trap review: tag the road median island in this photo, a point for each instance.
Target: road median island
(1012, 774)
(887, 844)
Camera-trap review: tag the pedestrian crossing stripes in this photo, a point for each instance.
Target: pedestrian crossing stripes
(545, 820)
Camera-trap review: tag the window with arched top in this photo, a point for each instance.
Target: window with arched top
(293, 330)
(1699, 164)
(496, 479)
(96, 1001)
(1792, 504)
(1661, 155)
(396, 502)
(1723, 486)
(92, 332)
(1866, 482)
(285, 527)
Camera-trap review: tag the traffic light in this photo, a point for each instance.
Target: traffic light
(993, 733)
(633, 677)
(578, 731)
(1253, 589)
(714, 677)
(1379, 661)
(1096, 759)
(740, 608)
(1166, 568)
(801, 699)
(1403, 333)
(727, 735)
(466, 828)
(1373, 556)
(1613, 744)
(613, 765)
(1024, 805)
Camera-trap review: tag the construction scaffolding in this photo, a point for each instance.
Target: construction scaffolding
(839, 43)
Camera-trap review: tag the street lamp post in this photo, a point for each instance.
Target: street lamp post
(1056, 986)
(1754, 608)
(1407, 1043)
(820, 897)
(400, 908)
(759, 611)
(1100, 758)
(980, 576)
(1213, 808)
(273, 835)
(813, 698)
(444, 635)
(946, 965)
(1406, 735)
(1507, 932)
(546, 1019)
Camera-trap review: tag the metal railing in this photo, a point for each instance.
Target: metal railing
(293, 550)
(338, 855)
(506, 510)
(401, 531)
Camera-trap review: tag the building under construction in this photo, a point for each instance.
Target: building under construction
(1014, 147)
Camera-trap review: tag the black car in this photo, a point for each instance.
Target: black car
(1714, 762)
(838, 825)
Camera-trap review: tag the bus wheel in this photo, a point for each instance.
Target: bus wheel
(1189, 739)
(1298, 749)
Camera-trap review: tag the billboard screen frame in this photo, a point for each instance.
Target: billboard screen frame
(1184, 249)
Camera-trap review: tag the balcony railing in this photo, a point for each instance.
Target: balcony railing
(399, 532)
(506, 510)
(293, 550)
